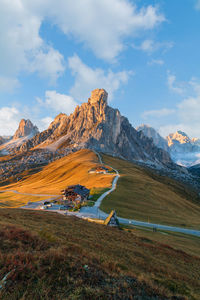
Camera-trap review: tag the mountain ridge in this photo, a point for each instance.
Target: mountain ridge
(24, 129)
(182, 149)
(96, 125)
(150, 132)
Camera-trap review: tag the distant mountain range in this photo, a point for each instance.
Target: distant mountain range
(93, 125)
(182, 149)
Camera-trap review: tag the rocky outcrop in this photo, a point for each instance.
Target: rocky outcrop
(98, 126)
(24, 133)
(2, 140)
(150, 132)
(179, 137)
(179, 142)
(183, 150)
(25, 128)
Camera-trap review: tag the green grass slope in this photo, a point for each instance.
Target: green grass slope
(145, 196)
(50, 256)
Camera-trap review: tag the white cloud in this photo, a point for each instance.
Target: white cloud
(151, 46)
(171, 128)
(44, 123)
(105, 25)
(173, 85)
(147, 45)
(48, 63)
(101, 26)
(9, 119)
(21, 46)
(58, 102)
(189, 129)
(158, 113)
(159, 62)
(185, 116)
(189, 108)
(87, 79)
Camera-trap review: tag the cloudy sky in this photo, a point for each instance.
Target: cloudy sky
(146, 54)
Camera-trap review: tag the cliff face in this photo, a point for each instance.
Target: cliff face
(2, 140)
(183, 150)
(97, 126)
(150, 132)
(180, 142)
(25, 128)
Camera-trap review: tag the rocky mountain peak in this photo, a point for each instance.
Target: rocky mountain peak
(25, 128)
(96, 125)
(98, 96)
(178, 137)
(150, 132)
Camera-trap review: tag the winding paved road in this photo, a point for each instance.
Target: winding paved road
(95, 212)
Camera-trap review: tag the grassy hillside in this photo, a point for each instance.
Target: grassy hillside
(9, 199)
(55, 257)
(145, 196)
(72, 169)
(187, 243)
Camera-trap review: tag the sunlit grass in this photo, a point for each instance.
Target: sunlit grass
(72, 169)
(10, 199)
(145, 196)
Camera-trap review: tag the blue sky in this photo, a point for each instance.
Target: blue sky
(146, 54)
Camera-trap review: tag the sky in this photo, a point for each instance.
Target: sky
(146, 54)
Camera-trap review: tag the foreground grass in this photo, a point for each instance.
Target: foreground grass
(97, 192)
(187, 243)
(10, 199)
(55, 257)
(145, 196)
(72, 169)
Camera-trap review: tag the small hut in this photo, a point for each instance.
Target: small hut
(112, 220)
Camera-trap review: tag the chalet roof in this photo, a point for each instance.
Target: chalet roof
(77, 189)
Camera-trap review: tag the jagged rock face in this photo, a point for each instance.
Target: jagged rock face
(184, 151)
(180, 142)
(150, 132)
(25, 128)
(2, 140)
(98, 95)
(97, 126)
(178, 137)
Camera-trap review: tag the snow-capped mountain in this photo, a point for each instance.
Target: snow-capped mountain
(183, 150)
